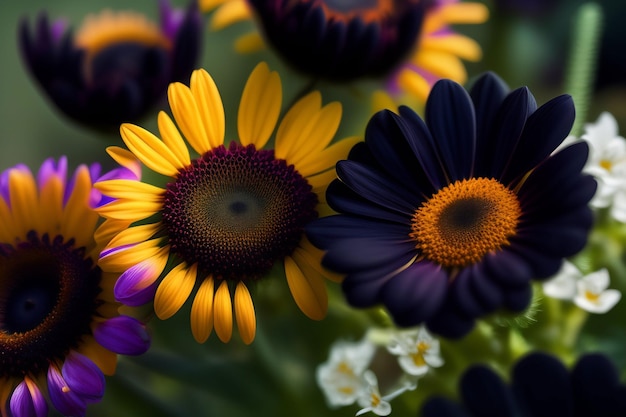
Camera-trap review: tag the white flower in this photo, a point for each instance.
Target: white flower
(371, 400)
(417, 351)
(563, 284)
(593, 294)
(341, 377)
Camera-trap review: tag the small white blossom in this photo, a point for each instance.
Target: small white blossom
(417, 351)
(563, 284)
(593, 294)
(371, 400)
(341, 377)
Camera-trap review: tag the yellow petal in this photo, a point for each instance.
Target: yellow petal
(208, 5)
(322, 179)
(130, 189)
(202, 311)
(460, 13)
(210, 107)
(223, 313)
(312, 256)
(23, 200)
(8, 231)
(134, 235)
(102, 357)
(414, 84)
(442, 65)
(121, 260)
(232, 12)
(381, 100)
(174, 290)
(187, 116)
(132, 210)
(79, 219)
(51, 198)
(172, 138)
(454, 44)
(248, 43)
(150, 150)
(323, 160)
(307, 288)
(126, 159)
(259, 107)
(288, 128)
(109, 229)
(244, 313)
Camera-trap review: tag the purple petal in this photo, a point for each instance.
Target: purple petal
(137, 285)
(27, 401)
(124, 335)
(48, 169)
(83, 377)
(64, 399)
(4, 181)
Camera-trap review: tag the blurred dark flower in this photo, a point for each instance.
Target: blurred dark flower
(409, 43)
(447, 220)
(60, 329)
(116, 66)
(540, 386)
(530, 8)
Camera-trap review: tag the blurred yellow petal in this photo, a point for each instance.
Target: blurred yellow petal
(174, 290)
(109, 229)
(381, 100)
(231, 12)
(259, 107)
(223, 313)
(150, 150)
(79, 219)
(172, 138)
(248, 43)
(465, 13)
(102, 357)
(8, 231)
(244, 313)
(23, 200)
(187, 116)
(454, 44)
(414, 84)
(208, 5)
(210, 106)
(307, 288)
(51, 198)
(202, 311)
(442, 65)
(130, 189)
(309, 254)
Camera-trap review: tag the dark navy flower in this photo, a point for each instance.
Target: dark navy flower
(447, 220)
(541, 386)
(115, 67)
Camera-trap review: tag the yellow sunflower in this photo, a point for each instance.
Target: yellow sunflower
(227, 216)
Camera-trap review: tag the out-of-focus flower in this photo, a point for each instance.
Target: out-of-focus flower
(410, 43)
(540, 386)
(417, 351)
(371, 400)
(447, 220)
(341, 377)
(588, 292)
(116, 66)
(227, 217)
(529, 8)
(60, 329)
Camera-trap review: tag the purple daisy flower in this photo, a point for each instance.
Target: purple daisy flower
(60, 329)
(114, 68)
(541, 386)
(447, 220)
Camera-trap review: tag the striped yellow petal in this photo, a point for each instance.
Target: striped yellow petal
(210, 106)
(288, 128)
(327, 158)
(454, 44)
(223, 313)
(232, 12)
(202, 311)
(125, 158)
(244, 313)
(307, 288)
(130, 209)
(23, 198)
(414, 84)
(174, 290)
(130, 189)
(259, 107)
(121, 260)
(248, 43)
(79, 220)
(187, 116)
(172, 138)
(150, 150)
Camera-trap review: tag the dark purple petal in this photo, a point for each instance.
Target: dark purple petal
(545, 130)
(376, 187)
(64, 399)
(543, 265)
(451, 120)
(507, 268)
(324, 231)
(359, 254)
(137, 285)
(463, 297)
(450, 322)
(414, 294)
(597, 389)
(486, 290)
(485, 394)
(541, 383)
(553, 240)
(442, 407)
(344, 200)
(517, 299)
(83, 377)
(124, 335)
(27, 401)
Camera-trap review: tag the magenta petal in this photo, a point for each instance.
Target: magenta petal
(27, 401)
(124, 335)
(83, 377)
(134, 288)
(64, 399)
